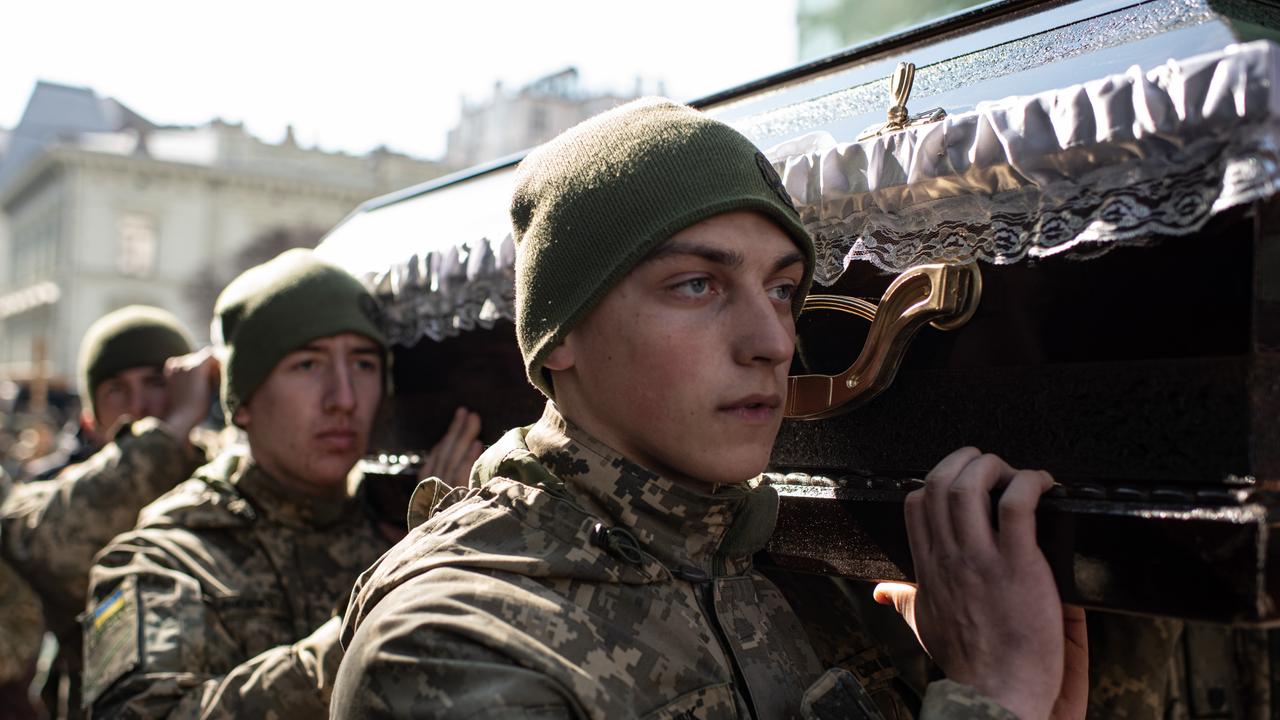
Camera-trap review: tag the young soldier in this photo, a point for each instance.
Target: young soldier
(219, 603)
(143, 393)
(600, 566)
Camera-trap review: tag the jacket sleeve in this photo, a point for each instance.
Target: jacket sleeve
(53, 528)
(838, 694)
(396, 668)
(947, 700)
(1130, 664)
(155, 647)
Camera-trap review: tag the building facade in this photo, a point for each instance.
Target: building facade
(509, 122)
(103, 209)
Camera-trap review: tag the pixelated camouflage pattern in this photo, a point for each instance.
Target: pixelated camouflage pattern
(1148, 668)
(1130, 658)
(21, 621)
(948, 700)
(238, 583)
(569, 582)
(51, 529)
(21, 624)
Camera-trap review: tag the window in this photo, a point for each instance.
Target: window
(137, 245)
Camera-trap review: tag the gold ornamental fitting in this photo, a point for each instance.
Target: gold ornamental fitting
(899, 118)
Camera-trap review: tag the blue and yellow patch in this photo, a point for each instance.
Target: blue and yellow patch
(111, 639)
(108, 608)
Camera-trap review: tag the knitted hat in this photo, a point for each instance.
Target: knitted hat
(275, 308)
(592, 203)
(133, 336)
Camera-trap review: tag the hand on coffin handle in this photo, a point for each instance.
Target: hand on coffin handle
(454, 454)
(986, 607)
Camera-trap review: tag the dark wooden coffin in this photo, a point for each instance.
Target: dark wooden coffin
(1147, 381)
(1130, 344)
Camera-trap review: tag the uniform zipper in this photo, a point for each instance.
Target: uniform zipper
(704, 591)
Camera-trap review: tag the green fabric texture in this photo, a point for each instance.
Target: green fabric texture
(274, 308)
(593, 202)
(133, 336)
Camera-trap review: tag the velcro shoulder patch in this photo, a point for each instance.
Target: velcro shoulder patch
(112, 635)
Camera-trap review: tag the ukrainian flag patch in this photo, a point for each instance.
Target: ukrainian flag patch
(111, 639)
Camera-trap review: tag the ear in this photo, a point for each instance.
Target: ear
(240, 418)
(561, 358)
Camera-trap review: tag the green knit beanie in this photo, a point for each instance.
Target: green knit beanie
(275, 308)
(592, 203)
(133, 336)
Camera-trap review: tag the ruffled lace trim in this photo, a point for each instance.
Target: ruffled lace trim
(441, 294)
(1039, 176)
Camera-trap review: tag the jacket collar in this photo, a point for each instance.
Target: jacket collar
(277, 503)
(692, 533)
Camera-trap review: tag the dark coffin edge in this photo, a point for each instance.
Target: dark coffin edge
(1194, 562)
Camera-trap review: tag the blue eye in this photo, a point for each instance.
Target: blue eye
(694, 286)
(783, 292)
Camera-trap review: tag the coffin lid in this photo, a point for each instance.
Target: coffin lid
(1149, 150)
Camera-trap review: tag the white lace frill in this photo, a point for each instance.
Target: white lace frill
(439, 294)
(1080, 170)
(1077, 171)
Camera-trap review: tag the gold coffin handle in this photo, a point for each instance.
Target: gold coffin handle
(945, 296)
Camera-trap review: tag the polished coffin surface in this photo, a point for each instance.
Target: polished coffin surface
(1138, 379)
(1126, 340)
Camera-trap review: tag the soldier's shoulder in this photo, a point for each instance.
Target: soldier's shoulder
(197, 503)
(469, 528)
(508, 537)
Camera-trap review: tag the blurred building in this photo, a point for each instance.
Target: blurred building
(102, 208)
(510, 122)
(826, 26)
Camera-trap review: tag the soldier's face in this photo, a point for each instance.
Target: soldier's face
(683, 365)
(309, 422)
(137, 392)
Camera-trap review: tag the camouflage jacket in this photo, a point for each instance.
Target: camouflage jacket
(572, 583)
(1145, 668)
(51, 529)
(21, 622)
(222, 602)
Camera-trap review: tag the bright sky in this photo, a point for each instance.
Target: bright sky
(354, 75)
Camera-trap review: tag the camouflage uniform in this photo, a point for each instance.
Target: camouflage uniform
(21, 624)
(51, 529)
(1143, 668)
(221, 603)
(570, 582)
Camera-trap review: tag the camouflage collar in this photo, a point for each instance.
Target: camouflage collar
(277, 504)
(692, 533)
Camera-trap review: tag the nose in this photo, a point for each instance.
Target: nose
(341, 393)
(764, 334)
(135, 401)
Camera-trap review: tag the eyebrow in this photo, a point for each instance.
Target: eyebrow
(792, 258)
(727, 258)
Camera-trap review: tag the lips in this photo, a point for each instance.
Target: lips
(754, 408)
(338, 440)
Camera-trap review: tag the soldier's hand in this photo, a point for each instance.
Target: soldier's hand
(986, 606)
(452, 457)
(192, 380)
